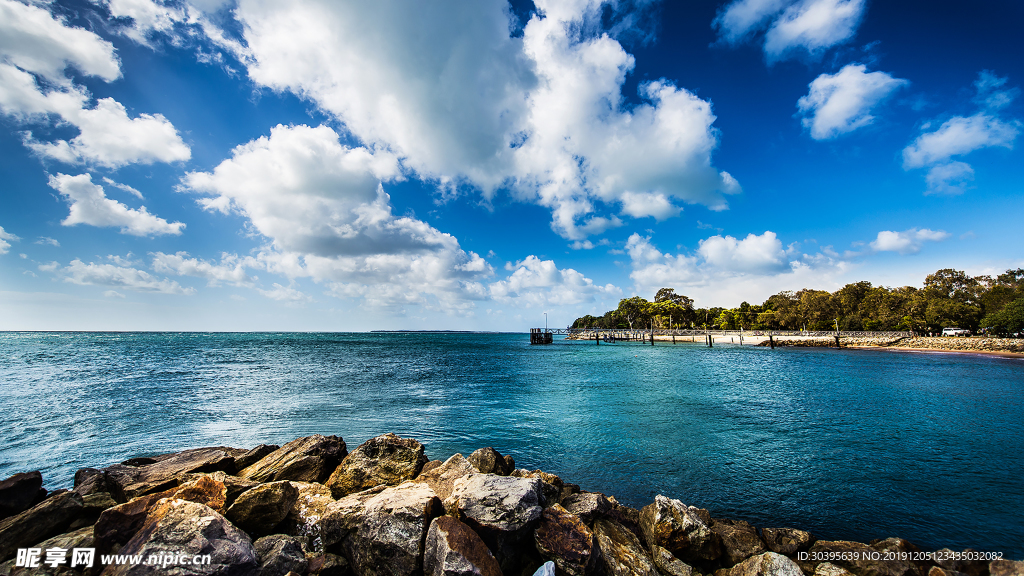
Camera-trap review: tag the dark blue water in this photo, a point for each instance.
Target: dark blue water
(849, 444)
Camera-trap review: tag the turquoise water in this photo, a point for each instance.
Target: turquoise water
(849, 444)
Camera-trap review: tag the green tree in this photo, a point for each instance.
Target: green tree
(1009, 320)
(635, 310)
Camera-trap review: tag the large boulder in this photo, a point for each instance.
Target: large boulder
(453, 549)
(490, 461)
(186, 529)
(163, 474)
(278, 555)
(963, 562)
(18, 492)
(44, 520)
(857, 558)
(309, 459)
(621, 551)
(259, 510)
(385, 460)
(588, 505)
(382, 530)
(93, 481)
(787, 541)
(254, 455)
(739, 540)
(328, 565)
(668, 564)
(1006, 568)
(564, 539)
(501, 509)
(767, 564)
(441, 478)
(679, 529)
(551, 486)
(80, 538)
(233, 486)
(303, 521)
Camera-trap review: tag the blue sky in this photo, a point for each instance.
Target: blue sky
(325, 165)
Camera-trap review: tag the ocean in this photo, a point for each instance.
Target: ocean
(848, 444)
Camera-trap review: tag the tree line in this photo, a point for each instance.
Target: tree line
(949, 298)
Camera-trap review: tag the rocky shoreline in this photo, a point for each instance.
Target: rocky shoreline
(311, 508)
(937, 343)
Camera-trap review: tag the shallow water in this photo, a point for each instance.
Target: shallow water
(848, 444)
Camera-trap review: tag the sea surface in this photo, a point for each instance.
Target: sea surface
(848, 444)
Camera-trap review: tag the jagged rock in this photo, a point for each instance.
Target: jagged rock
(93, 481)
(94, 505)
(563, 538)
(588, 505)
(430, 465)
(630, 517)
(204, 490)
(382, 530)
(80, 538)
(621, 551)
(551, 487)
(546, 569)
(441, 478)
(934, 571)
(510, 462)
(679, 529)
(178, 526)
(767, 564)
(829, 569)
(303, 521)
(968, 567)
(261, 509)
(254, 455)
(163, 474)
(139, 461)
(328, 565)
(1006, 568)
(863, 566)
(787, 541)
(385, 460)
(668, 564)
(501, 509)
(233, 486)
(44, 520)
(278, 555)
(18, 492)
(906, 549)
(453, 549)
(739, 540)
(309, 459)
(490, 461)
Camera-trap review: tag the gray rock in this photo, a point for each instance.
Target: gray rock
(621, 551)
(564, 539)
(787, 541)
(668, 564)
(92, 481)
(44, 520)
(259, 510)
(739, 540)
(180, 527)
(18, 492)
(587, 505)
(679, 529)
(441, 478)
(551, 488)
(382, 530)
(309, 459)
(767, 564)
(453, 549)
(254, 455)
(501, 509)
(385, 460)
(303, 521)
(278, 555)
(490, 461)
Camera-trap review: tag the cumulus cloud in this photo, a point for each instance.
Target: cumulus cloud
(5, 240)
(535, 282)
(842, 102)
(36, 50)
(47, 241)
(950, 179)
(793, 26)
(460, 102)
(759, 254)
(906, 242)
(231, 268)
(90, 205)
(147, 17)
(115, 276)
(286, 294)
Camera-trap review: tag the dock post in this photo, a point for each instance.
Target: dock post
(771, 342)
(837, 341)
(652, 337)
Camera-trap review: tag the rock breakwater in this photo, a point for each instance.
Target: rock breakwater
(311, 508)
(955, 344)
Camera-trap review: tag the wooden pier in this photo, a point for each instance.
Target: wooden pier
(706, 337)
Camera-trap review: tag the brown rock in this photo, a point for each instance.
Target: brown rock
(562, 537)
(309, 459)
(163, 474)
(441, 479)
(44, 520)
(385, 460)
(259, 510)
(18, 492)
(951, 562)
(250, 457)
(204, 490)
(328, 565)
(278, 555)
(672, 525)
(668, 564)
(933, 571)
(621, 551)
(551, 487)
(1006, 568)
(92, 481)
(453, 549)
(829, 569)
(490, 461)
(95, 504)
(864, 565)
(430, 465)
(767, 564)
(587, 505)
(787, 541)
(303, 521)
(739, 540)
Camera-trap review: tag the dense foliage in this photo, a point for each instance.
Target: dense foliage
(949, 298)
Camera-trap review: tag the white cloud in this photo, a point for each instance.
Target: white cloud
(759, 254)
(793, 26)
(951, 178)
(842, 102)
(124, 187)
(47, 241)
(231, 268)
(147, 17)
(906, 242)
(113, 294)
(111, 275)
(958, 136)
(535, 282)
(90, 205)
(460, 102)
(33, 40)
(286, 294)
(5, 240)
